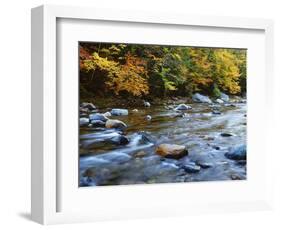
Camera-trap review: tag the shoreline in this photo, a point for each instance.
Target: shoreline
(114, 102)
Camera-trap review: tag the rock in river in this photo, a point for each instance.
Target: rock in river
(119, 112)
(216, 112)
(110, 124)
(145, 137)
(224, 97)
(141, 154)
(197, 97)
(226, 134)
(172, 151)
(237, 153)
(235, 177)
(97, 123)
(183, 107)
(219, 101)
(87, 105)
(98, 117)
(191, 167)
(146, 104)
(84, 110)
(119, 140)
(204, 165)
(107, 114)
(84, 121)
(148, 117)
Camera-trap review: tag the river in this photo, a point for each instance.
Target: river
(199, 129)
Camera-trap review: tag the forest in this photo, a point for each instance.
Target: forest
(148, 71)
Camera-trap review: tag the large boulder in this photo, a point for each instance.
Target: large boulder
(84, 121)
(183, 107)
(172, 151)
(115, 124)
(87, 105)
(224, 97)
(197, 97)
(119, 112)
(237, 153)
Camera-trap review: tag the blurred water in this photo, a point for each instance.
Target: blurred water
(104, 163)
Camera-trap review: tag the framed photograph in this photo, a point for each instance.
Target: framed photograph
(143, 114)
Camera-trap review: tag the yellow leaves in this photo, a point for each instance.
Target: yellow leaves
(227, 70)
(129, 82)
(129, 77)
(122, 68)
(201, 68)
(97, 62)
(214, 66)
(201, 80)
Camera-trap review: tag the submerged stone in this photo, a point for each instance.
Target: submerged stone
(141, 154)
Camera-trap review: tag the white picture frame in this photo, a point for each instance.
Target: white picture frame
(45, 207)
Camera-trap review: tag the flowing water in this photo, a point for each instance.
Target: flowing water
(105, 163)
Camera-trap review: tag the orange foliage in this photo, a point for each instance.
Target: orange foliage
(131, 77)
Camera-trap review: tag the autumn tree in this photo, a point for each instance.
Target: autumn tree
(155, 70)
(128, 74)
